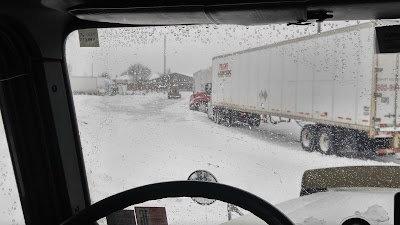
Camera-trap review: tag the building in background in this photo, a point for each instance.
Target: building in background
(125, 85)
(184, 83)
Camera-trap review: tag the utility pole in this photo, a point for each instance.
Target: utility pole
(168, 81)
(318, 27)
(165, 54)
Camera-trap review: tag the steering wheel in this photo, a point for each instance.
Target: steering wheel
(228, 194)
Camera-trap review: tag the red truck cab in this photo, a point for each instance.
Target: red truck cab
(197, 100)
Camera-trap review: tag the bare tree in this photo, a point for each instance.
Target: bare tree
(138, 72)
(105, 75)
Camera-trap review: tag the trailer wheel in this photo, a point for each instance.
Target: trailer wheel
(254, 121)
(193, 107)
(217, 117)
(348, 144)
(326, 143)
(308, 137)
(229, 119)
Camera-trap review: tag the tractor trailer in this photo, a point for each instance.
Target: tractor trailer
(344, 83)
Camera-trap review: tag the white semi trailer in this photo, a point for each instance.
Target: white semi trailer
(201, 79)
(344, 82)
(90, 85)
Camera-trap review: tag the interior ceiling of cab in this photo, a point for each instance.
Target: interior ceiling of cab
(243, 12)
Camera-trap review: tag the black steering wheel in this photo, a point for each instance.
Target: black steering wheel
(228, 194)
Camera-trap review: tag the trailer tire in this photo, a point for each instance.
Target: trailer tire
(254, 121)
(217, 117)
(193, 107)
(326, 141)
(228, 118)
(348, 144)
(308, 138)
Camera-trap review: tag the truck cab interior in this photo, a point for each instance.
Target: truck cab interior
(37, 104)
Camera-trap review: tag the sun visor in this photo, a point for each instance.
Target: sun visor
(248, 14)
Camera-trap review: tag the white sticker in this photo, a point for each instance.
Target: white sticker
(88, 37)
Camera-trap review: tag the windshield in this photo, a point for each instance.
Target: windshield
(254, 106)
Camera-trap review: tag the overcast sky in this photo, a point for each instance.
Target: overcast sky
(189, 48)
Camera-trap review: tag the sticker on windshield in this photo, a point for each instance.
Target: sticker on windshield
(89, 38)
(151, 216)
(122, 217)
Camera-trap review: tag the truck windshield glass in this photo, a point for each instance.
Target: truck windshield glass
(10, 205)
(256, 107)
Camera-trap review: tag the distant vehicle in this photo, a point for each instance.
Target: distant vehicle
(202, 78)
(342, 196)
(173, 92)
(350, 94)
(201, 90)
(91, 85)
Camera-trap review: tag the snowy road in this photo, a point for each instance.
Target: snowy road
(133, 140)
(130, 141)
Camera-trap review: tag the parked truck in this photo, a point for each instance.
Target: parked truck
(90, 85)
(343, 82)
(201, 90)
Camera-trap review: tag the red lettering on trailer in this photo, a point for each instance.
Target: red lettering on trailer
(348, 118)
(223, 66)
(339, 117)
(364, 121)
(385, 87)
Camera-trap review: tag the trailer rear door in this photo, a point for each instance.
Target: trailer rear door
(387, 96)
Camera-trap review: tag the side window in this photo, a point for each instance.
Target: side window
(10, 205)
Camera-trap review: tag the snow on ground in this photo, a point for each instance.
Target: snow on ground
(129, 141)
(133, 140)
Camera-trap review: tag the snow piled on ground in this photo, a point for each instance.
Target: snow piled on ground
(133, 140)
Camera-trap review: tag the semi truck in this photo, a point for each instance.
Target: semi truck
(343, 83)
(201, 90)
(90, 85)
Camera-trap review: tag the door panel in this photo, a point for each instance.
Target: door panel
(386, 89)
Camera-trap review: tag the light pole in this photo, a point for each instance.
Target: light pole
(318, 27)
(165, 54)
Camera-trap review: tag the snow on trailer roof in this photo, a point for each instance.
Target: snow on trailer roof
(322, 34)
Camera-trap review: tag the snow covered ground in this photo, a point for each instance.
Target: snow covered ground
(129, 141)
(133, 140)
